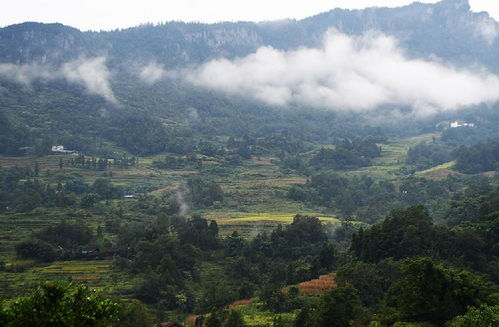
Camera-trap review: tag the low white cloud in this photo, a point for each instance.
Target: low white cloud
(486, 28)
(25, 74)
(152, 73)
(91, 73)
(357, 73)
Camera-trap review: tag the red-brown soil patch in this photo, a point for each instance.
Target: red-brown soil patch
(318, 286)
(244, 303)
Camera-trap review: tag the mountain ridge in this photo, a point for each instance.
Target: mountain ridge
(113, 61)
(457, 31)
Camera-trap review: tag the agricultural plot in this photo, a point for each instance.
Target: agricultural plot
(439, 172)
(23, 274)
(318, 286)
(249, 224)
(79, 270)
(258, 188)
(393, 157)
(255, 199)
(255, 316)
(315, 287)
(48, 162)
(17, 227)
(143, 177)
(279, 218)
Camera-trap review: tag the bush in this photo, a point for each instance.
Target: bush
(36, 249)
(483, 316)
(60, 304)
(204, 193)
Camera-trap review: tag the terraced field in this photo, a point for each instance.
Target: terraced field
(255, 201)
(251, 223)
(23, 274)
(393, 157)
(440, 171)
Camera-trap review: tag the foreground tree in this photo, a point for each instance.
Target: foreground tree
(55, 304)
(340, 307)
(483, 316)
(434, 293)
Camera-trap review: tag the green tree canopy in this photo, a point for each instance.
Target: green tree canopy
(431, 292)
(55, 304)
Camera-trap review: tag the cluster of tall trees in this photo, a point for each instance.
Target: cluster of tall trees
(420, 292)
(62, 241)
(204, 192)
(472, 156)
(233, 152)
(22, 190)
(402, 269)
(406, 269)
(411, 233)
(99, 163)
(185, 265)
(426, 155)
(478, 158)
(13, 135)
(368, 199)
(347, 154)
(275, 143)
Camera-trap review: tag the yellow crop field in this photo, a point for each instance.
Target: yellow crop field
(447, 165)
(286, 218)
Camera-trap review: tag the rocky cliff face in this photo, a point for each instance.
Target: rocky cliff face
(219, 37)
(42, 43)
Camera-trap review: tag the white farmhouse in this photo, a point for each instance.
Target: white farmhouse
(456, 124)
(60, 149)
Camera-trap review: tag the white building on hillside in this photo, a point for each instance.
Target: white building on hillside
(60, 149)
(456, 124)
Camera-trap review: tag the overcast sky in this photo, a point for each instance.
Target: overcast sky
(112, 14)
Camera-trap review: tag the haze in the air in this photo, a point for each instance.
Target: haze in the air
(112, 14)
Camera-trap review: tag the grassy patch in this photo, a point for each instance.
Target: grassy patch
(98, 273)
(447, 165)
(439, 172)
(255, 316)
(393, 156)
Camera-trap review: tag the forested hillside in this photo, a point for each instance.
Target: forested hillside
(43, 94)
(339, 170)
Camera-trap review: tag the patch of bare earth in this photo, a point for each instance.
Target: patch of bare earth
(489, 173)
